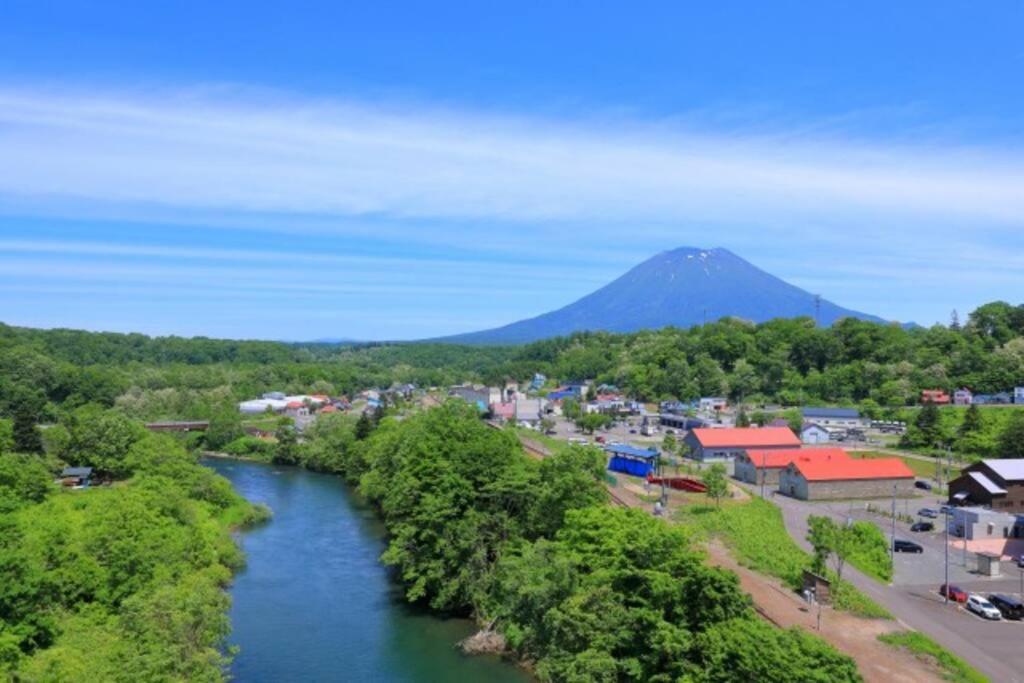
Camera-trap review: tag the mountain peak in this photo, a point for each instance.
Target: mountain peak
(682, 287)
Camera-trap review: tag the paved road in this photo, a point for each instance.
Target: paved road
(994, 648)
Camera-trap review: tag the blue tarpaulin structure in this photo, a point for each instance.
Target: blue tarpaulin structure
(638, 462)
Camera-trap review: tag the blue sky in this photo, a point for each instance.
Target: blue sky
(308, 170)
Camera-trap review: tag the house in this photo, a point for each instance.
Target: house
(834, 417)
(1018, 395)
(935, 396)
(1000, 399)
(296, 409)
(76, 477)
(994, 483)
(562, 393)
(328, 409)
(528, 411)
(475, 394)
(841, 478)
(759, 465)
(725, 444)
(711, 403)
(638, 462)
(813, 433)
(675, 407)
(506, 410)
(538, 381)
(963, 397)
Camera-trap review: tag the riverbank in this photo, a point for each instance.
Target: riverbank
(314, 600)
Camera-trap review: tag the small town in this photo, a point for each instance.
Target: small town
(511, 342)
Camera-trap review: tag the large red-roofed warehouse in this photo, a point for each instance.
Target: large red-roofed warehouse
(832, 479)
(726, 444)
(757, 466)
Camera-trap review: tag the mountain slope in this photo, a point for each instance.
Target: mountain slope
(682, 287)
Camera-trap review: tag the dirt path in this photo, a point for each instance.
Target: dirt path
(851, 635)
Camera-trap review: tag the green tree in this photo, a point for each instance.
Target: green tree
(591, 422)
(714, 479)
(742, 420)
(364, 426)
(972, 422)
(225, 427)
(287, 451)
(1011, 440)
(27, 438)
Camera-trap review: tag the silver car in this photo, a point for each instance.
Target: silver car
(983, 608)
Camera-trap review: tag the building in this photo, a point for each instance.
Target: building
(528, 411)
(680, 422)
(845, 418)
(726, 444)
(840, 478)
(475, 394)
(638, 462)
(975, 523)
(963, 397)
(505, 410)
(1018, 395)
(76, 477)
(935, 396)
(711, 403)
(996, 484)
(813, 433)
(538, 381)
(1000, 399)
(296, 409)
(753, 465)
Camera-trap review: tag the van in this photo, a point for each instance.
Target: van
(1009, 607)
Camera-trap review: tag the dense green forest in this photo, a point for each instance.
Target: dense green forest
(584, 591)
(791, 362)
(122, 582)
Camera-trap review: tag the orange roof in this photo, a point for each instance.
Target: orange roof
(747, 437)
(780, 457)
(853, 468)
(295, 404)
(328, 409)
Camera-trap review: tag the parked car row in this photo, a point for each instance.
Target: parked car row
(996, 607)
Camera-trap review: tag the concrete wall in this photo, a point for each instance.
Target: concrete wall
(795, 485)
(744, 470)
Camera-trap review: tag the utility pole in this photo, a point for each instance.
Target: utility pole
(946, 596)
(817, 309)
(764, 471)
(892, 547)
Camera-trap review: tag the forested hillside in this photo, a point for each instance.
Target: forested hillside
(791, 362)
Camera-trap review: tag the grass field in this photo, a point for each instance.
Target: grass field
(757, 536)
(953, 668)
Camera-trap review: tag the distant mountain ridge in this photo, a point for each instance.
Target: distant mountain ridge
(682, 287)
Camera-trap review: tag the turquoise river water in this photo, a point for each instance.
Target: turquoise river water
(314, 603)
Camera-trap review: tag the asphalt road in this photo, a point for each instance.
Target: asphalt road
(994, 648)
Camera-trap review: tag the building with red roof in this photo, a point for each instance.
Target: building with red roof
(759, 465)
(726, 444)
(837, 478)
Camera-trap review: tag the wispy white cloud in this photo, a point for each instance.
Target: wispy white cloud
(303, 157)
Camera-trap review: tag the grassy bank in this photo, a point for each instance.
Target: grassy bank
(953, 668)
(756, 534)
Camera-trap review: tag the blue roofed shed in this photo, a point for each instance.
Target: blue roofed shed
(638, 462)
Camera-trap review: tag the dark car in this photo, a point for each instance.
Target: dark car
(923, 485)
(901, 546)
(928, 512)
(1009, 607)
(956, 594)
(922, 526)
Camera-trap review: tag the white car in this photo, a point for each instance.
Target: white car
(983, 607)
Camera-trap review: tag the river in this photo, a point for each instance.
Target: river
(314, 603)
